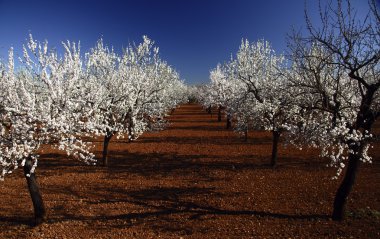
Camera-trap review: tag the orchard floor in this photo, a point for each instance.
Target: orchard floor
(193, 180)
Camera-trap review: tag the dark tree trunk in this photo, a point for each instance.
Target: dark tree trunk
(219, 114)
(209, 109)
(228, 125)
(131, 126)
(276, 139)
(34, 190)
(345, 187)
(246, 134)
(107, 139)
(365, 119)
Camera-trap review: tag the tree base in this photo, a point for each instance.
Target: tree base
(38, 221)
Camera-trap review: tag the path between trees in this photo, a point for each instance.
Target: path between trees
(192, 180)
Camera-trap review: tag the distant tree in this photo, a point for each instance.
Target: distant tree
(223, 92)
(266, 78)
(253, 89)
(202, 94)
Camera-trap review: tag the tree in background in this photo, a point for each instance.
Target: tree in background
(254, 90)
(265, 75)
(138, 89)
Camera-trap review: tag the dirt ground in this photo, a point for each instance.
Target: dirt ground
(193, 180)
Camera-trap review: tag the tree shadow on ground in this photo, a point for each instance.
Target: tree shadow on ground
(12, 221)
(164, 165)
(205, 140)
(199, 167)
(161, 207)
(206, 128)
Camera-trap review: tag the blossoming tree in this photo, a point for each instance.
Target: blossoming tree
(338, 80)
(57, 100)
(254, 90)
(41, 104)
(137, 90)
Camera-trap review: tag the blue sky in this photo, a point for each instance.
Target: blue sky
(193, 35)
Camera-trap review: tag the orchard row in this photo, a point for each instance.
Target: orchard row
(324, 94)
(60, 100)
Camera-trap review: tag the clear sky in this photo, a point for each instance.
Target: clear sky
(193, 35)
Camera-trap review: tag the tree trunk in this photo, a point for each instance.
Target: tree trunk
(276, 138)
(346, 186)
(131, 126)
(107, 139)
(34, 190)
(365, 119)
(228, 125)
(219, 114)
(246, 134)
(209, 109)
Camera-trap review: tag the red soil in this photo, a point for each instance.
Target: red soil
(192, 180)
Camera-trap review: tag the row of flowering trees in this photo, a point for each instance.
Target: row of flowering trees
(62, 99)
(325, 94)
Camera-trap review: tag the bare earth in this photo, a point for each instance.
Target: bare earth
(192, 180)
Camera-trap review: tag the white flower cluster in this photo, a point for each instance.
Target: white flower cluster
(58, 100)
(311, 99)
(253, 88)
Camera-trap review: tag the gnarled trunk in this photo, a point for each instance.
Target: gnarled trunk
(107, 138)
(275, 139)
(365, 119)
(34, 190)
(346, 185)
